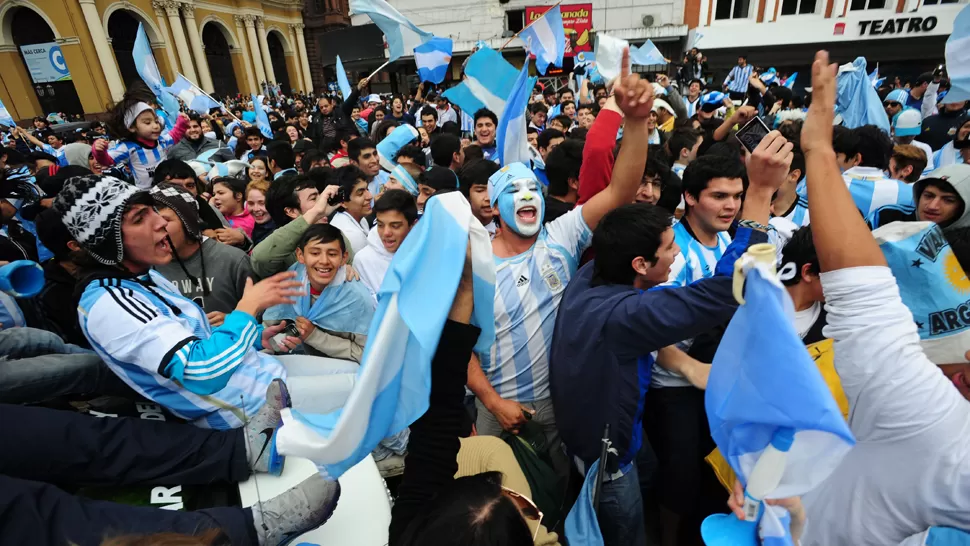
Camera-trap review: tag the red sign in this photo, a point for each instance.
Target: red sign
(577, 22)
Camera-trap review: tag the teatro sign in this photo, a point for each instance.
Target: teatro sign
(897, 25)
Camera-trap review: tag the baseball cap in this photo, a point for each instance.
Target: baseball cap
(373, 97)
(907, 123)
(897, 95)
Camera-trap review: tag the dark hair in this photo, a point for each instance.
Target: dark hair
(380, 132)
(485, 113)
(530, 130)
(791, 129)
(443, 148)
(414, 153)
(137, 92)
(797, 162)
(622, 235)
(325, 233)
(282, 195)
(399, 200)
(682, 138)
(845, 141)
(563, 120)
(475, 173)
(354, 147)
(428, 111)
(347, 177)
(800, 250)
(321, 177)
(563, 163)
(565, 90)
(907, 155)
(538, 107)
(546, 137)
(702, 170)
(473, 152)
(241, 145)
(309, 158)
(875, 146)
(439, 178)
(282, 154)
(470, 511)
(548, 92)
(451, 128)
(237, 185)
(959, 240)
(591, 106)
(53, 234)
(174, 168)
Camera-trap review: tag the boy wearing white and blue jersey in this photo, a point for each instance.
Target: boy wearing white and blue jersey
(684, 142)
(863, 155)
(692, 101)
(787, 203)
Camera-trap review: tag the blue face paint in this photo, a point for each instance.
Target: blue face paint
(517, 195)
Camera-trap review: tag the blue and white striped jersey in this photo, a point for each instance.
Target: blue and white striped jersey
(141, 160)
(467, 123)
(798, 213)
(737, 80)
(692, 106)
(871, 189)
(678, 169)
(56, 152)
(157, 351)
(528, 290)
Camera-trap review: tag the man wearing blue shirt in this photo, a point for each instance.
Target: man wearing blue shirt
(736, 82)
(485, 124)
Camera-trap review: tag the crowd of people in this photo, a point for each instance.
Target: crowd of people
(190, 260)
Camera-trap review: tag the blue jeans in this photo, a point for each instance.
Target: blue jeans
(621, 511)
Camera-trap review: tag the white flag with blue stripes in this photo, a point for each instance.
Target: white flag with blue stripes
(511, 136)
(262, 120)
(958, 58)
(342, 82)
(433, 58)
(191, 95)
(5, 117)
(394, 381)
(488, 82)
(401, 34)
(141, 53)
(646, 55)
(765, 389)
(546, 39)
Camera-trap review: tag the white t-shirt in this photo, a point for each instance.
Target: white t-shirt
(910, 468)
(805, 319)
(372, 262)
(354, 231)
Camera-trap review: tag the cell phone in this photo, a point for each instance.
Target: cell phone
(290, 329)
(752, 133)
(337, 198)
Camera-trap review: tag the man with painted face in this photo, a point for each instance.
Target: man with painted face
(534, 264)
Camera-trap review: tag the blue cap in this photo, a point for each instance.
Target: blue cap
(897, 95)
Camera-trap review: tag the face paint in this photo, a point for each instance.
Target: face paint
(521, 207)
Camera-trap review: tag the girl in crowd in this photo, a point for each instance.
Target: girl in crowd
(374, 119)
(228, 195)
(399, 113)
(259, 170)
(382, 129)
(293, 134)
(256, 204)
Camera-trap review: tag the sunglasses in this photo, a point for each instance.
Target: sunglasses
(893, 104)
(525, 505)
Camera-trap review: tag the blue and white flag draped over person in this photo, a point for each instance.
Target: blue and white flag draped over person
(342, 82)
(489, 79)
(387, 149)
(546, 39)
(401, 34)
(958, 58)
(646, 55)
(856, 101)
(5, 117)
(394, 381)
(141, 53)
(262, 120)
(342, 306)
(582, 525)
(193, 97)
(790, 81)
(511, 136)
(763, 384)
(432, 59)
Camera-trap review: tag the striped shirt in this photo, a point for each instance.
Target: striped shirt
(737, 80)
(692, 106)
(157, 350)
(467, 123)
(528, 290)
(871, 189)
(57, 153)
(140, 159)
(798, 213)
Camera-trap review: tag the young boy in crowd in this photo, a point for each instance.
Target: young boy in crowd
(396, 214)
(473, 184)
(907, 163)
(355, 205)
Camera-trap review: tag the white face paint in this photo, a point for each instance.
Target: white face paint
(521, 207)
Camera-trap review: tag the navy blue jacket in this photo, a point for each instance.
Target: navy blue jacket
(602, 332)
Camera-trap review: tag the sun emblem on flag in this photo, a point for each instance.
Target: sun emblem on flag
(954, 273)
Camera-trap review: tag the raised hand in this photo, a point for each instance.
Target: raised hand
(275, 290)
(633, 96)
(768, 164)
(817, 129)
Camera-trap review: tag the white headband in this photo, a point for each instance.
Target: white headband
(135, 111)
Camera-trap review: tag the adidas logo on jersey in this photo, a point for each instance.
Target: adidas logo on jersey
(522, 280)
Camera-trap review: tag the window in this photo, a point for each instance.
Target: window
(731, 9)
(858, 5)
(515, 20)
(939, 2)
(797, 7)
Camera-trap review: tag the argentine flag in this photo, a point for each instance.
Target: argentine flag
(856, 100)
(191, 95)
(394, 381)
(262, 120)
(148, 70)
(401, 34)
(770, 76)
(488, 82)
(582, 524)
(433, 58)
(646, 55)
(790, 81)
(958, 58)
(546, 39)
(5, 117)
(342, 82)
(511, 136)
(764, 387)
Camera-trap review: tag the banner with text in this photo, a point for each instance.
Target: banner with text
(45, 62)
(577, 22)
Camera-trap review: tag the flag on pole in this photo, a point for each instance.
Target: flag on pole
(697, 38)
(958, 58)
(5, 117)
(262, 120)
(402, 35)
(342, 82)
(511, 138)
(646, 55)
(141, 53)
(393, 384)
(546, 39)
(790, 81)
(488, 82)
(433, 58)
(582, 524)
(193, 97)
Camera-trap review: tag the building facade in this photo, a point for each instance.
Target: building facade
(224, 46)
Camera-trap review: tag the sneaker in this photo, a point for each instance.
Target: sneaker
(302, 508)
(261, 430)
(390, 466)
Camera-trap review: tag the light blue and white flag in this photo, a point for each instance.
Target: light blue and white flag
(394, 381)
(790, 81)
(388, 148)
(931, 282)
(141, 53)
(697, 39)
(342, 82)
(856, 100)
(770, 76)
(262, 120)
(191, 95)
(480, 44)
(233, 168)
(646, 55)
(512, 141)
(546, 39)
(764, 386)
(582, 524)
(433, 58)
(958, 58)
(489, 79)
(401, 34)
(5, 117)
(343, 306)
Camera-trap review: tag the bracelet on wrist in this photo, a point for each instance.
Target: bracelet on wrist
(751, 224)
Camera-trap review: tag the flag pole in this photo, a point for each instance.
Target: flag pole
(221, 106)
(516, 35)
(379, 68)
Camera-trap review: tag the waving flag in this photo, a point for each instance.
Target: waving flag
(546, 39)
(770, 76)
(141, 53)
(856, 101)
(790, 81)
(191, 95)
(753, 401)
(582, 524)
(262, 120)
(511, 138)
(958, 58)
(488, 82)
(413, 304)
(387, 149)
(342, 82)
(647, 54)
(401, 34)
(432, 58)
(5, 117)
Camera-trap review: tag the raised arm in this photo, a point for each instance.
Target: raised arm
(597, 168)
